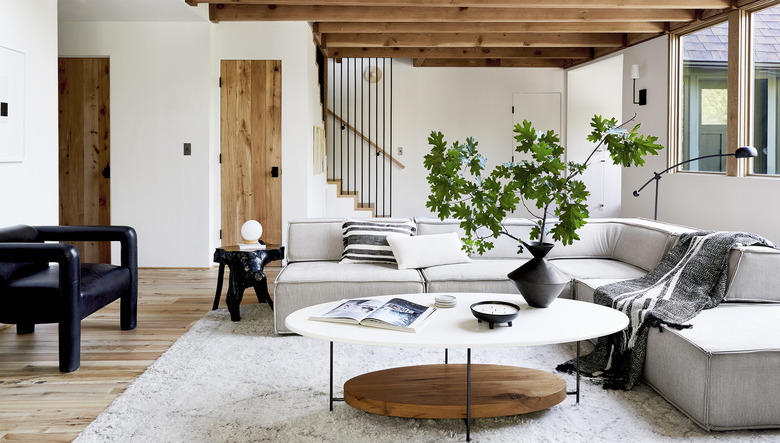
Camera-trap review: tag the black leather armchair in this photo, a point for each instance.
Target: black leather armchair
(47, 283)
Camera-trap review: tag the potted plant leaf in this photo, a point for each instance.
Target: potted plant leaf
(546, 184)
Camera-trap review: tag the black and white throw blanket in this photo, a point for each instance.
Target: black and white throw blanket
(690, 278)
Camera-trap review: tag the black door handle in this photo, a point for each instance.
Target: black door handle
(274, 171)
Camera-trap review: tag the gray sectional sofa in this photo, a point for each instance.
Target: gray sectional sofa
(723, 373)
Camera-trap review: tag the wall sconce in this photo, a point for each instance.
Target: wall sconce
(642, 92)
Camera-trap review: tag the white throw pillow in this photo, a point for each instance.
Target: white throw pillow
(424, 251)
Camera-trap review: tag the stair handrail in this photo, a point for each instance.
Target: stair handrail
(371, 143)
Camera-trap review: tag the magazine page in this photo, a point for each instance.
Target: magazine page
(400, 313)
(354, 310)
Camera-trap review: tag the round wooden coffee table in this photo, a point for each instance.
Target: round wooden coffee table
(463, 390)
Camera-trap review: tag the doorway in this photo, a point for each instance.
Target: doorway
(84, 149)
(251, 142)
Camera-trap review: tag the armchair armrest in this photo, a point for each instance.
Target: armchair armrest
(125, 235)
(67, 256)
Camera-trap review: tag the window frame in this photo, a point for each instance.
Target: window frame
(740, 87)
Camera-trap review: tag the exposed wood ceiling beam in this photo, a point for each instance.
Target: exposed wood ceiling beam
(527, 33)
(491, 62)
(419, 28)
(525, 4)
(474, 40)
(541, 53)
(318, 13)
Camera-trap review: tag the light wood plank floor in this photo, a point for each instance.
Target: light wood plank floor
(38, 403)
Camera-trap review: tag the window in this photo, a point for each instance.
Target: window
(699, 124)
(766, 115)
(704, 62)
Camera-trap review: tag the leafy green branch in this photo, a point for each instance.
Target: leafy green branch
(461, 189)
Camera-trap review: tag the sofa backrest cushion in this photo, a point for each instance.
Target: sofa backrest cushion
(641, 243)
(314, 239)
(423, 251)
(13, 270)
(318, 239)
(503, 246)
(753, 275)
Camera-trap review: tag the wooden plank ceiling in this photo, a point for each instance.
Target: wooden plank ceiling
(504, 33)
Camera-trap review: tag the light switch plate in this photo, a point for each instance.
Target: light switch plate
(188, 149)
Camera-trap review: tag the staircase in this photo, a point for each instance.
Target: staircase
(359, 134)
(368, 208)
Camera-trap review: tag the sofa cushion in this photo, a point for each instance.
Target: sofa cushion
(422, 251)
(637, 242)
(481, 275)
(314, 239)
(597, 268)
(430, 226)
(722, 372)
(583, 289)
(753, 275)
(304, 284)
(366, 241)
(503, 246)
(318, 239)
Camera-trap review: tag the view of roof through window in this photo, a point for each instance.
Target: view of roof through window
(704, 94)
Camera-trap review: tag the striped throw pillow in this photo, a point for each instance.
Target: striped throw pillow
(366, 242)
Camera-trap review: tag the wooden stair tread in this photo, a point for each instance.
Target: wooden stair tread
(353, 195)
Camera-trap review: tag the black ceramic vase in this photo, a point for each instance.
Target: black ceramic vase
(538, 281)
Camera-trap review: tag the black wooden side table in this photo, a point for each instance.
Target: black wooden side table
(246, 270)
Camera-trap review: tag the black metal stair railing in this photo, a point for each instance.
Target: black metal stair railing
(360, 131)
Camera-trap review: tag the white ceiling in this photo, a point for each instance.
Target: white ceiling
(127, 11)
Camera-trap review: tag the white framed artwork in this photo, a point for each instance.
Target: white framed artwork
(11, 105)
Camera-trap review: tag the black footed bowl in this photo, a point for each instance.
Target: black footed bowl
(495, 312)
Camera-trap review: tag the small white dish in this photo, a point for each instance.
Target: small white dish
(445, 301)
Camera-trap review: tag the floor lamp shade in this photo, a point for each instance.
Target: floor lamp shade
(745, 152)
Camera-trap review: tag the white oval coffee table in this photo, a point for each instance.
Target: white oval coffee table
(458, 390)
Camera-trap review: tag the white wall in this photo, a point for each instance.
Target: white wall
(159, 83)
(31, 187)
(164, 92)
(459, 102)
(701, 200)
(592, 90)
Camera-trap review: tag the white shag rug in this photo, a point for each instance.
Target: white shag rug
(227, 381)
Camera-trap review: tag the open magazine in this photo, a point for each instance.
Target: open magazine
(397, 314)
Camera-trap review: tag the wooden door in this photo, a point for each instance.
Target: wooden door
(84, 147)
(251, 121)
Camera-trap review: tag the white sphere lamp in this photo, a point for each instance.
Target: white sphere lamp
(251, 230)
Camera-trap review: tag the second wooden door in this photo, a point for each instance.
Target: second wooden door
(84, 129)
(251, 121)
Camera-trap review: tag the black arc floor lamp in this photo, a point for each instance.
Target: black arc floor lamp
(741, 152)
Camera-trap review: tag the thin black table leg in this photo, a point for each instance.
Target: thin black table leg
(220, 277)
(331, 377)
(577, 390)
(332, 398)
(578, 372)
(468, 394)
